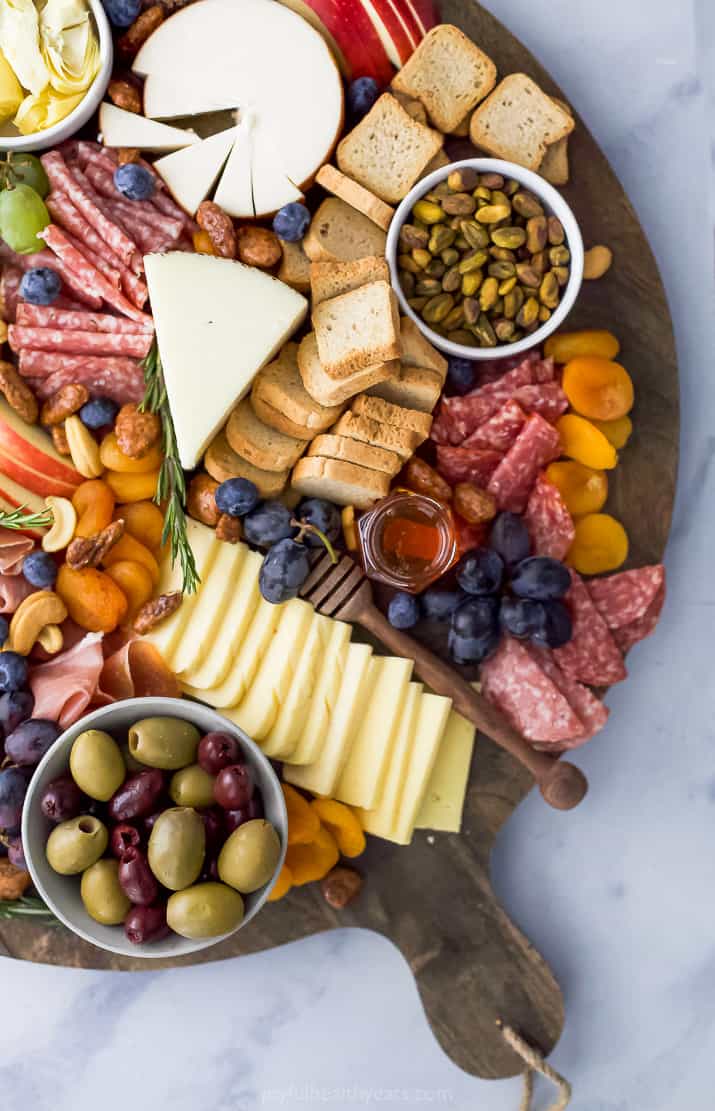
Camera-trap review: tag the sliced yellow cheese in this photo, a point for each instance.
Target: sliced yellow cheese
(315, 660)
(443, 800)
(261, 704)
(364, 773)
(321, 777)
(380, 820)
(205, 546)
(211, 603)
(431, 724)
(312, 736)
(234, 622)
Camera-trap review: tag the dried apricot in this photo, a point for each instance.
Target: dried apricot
(132, 487)
(144, 521)
(282, 885)
(134, 581)
(617, 432)
(131, 548)
(93, 600)
(343, 824)
(564, 346)
(93, 502)
(203, 246)
(311, 862)
(303, 822)
(600, 544)
(598, 388)
(114, 458)
(583, 489)
(582, 441)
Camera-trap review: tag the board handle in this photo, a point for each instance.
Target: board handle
(562, 785)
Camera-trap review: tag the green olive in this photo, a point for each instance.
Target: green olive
(102, 895)
(192, 786)
(97, 765)
(250, 856)
(76, 844)
(132, 764)
(176, 847)
(204, 910)
(167, 743)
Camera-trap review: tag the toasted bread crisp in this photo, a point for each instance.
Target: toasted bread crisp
(294, 269)
(331, 391)
(388, 150)
(281, 401)
(357, 329)
(403, 441)
(397, 416)
(439, 161)
(340, 482)
(330, 279)
(222, 463)
(555, 163)
(449, 74)
(356, 195)
(518, 122)
(263, 446)
(355, 451)
(418, 351)
(339, 233)
(414, 387)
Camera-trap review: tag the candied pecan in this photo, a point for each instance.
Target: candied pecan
(218, 225)
(68, 400)
(259, 247)
(89, 551)
(156, 610)
(228, 528)
(127, 154)
(18, 394)
(474, 504)
(59, 439)
(136, 431)
(13, 881)
(340, 887)
(201, 500)
(136, 35)
(124, 95)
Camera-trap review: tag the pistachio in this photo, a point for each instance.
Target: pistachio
(471, 283)
(512, 303)
(528, 275)
(421, 256)
(536, 234)
(501, 270)
(544, 314)
(482, 193)
(462, 243)
(512, 187)
(540, 262)
(429, 212)
(437, 308)
(504, 330)
(502, 254)
(455, 318)
(450, 256)
(527, 205)
(407, 281)
(459, 204)
(507, 285)
(461, 335)
(411, 237)
(464, 180)
(438, 192)
(474, 261)
(549, 291)
(488, 294)
(493, 213)
(559, 256)
(484, 332)
(596, 262)
(427, 287)
(451, 280)
(435, 269)
(529, 313)
(562, 274)
(406, 262)
(556, 231)
(471, 310)
(500, 198)
(417, 303)
(492, 181)
(441, 238)
(475, 235)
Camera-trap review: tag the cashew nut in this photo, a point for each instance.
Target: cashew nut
(42, 608)
(64, 522)
(3, 332)
(84, 449)
(596, 262)
(51, 639)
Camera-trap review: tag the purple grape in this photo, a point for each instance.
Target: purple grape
(30, 741)
(15, 707)
(13, 788)
(16, 854)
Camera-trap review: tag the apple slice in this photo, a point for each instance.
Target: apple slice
(234, 193)
(13, 495)
(398, 43)
(129, 129)
(37, 482)
(347, 22)
(191, 173)
(33, 448)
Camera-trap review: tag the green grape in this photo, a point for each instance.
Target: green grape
(28, 170)
(22, 216)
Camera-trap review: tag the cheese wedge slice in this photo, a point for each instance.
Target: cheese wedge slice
(260, 706)
(380, 820)
(217, 323)
(431, 724)
(191, 173)
(364, 774)
(211, 604)
(315, 659)
(165, 98)
(129, 129)
(245, 664)
(310, 740)
(322, 776)
(234, 193)
(166, 636)
(235, 620)
(443, 800)
(272, 187)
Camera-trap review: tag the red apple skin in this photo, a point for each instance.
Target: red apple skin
(400, 24)
(349, 25)
(425, 13)
(39, 482)
(17, 446)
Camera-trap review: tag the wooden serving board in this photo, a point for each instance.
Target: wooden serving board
(434, 899)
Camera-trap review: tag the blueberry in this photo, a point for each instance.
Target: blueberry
(522, 617)
(134, 182)
(461, 374)
(480, 571)
(267, 524)
(4, 629)
(40, 286)
(476, 617)
(237, 496)
(471, 650)
(510, 538)
(403, 611)
(290, 223)
(122, 13)
(13, 671)
(283, 571)
(98, 413)
(40, 569)
(439, 605)
(324, 516)
(541, 578)
(362, 94)
(15, 707)
(558, 628)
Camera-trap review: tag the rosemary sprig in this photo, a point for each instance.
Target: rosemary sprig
(171, 485)
(18, 519)
(27, 906)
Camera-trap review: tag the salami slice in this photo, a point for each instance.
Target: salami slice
(132, 213)
(136, 344)
(148, 239)
(592, 655)
(47, 258)
(519, 687)
(491, 369)
(549, 522)
(500, 431)
(592, 713)
(547, 399)
(78, 320)
(629, 635)
(628, 595)
(469, 536)
(513, 480)
(463, 464)
(460, 416)
(544, 370)
(88, 274)
(117, 377)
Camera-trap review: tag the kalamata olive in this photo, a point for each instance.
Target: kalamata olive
(149, 822)
(137, 796)
(213, 826)
(62, 799)
(210, 869)
(102, 895)
(250, 856)
(136, 879)
(217, 751)
(124, 836)
(96, 764)
(235, 818)
(234, 786)
(205, 910)
(176, 847)
(163, 742)
(75, 845)
(144, 924)
(16, 854)
(29, 742)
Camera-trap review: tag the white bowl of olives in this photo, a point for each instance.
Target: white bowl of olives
(154, 827)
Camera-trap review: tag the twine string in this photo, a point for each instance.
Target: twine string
(535, 1062)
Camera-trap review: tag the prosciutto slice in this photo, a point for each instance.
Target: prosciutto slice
(64, 687)
(136, 670)
(13, 549)
(13, 590)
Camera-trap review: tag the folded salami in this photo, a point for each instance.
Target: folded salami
(592, 655)
(465, 464)
(136, 344)
(629, 635)
(54, 316)
(500, 431)
(86, 273)
(513, 480)
(630, 602)
(592, 713)
(460, 417)
(545, 398)
(117, 377)
(548, 520)
(514, 681)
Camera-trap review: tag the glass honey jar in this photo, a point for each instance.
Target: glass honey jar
(407, 541)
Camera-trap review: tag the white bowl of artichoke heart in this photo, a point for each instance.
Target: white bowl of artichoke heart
(55, 64)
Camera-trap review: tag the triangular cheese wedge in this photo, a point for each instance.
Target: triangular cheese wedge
(234, 193)
(128, 129)
(217, 323)
(190, 173)
(271, 186)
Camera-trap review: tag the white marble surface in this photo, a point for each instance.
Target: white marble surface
(619, 896)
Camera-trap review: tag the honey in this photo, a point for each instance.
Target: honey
(407, 541)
